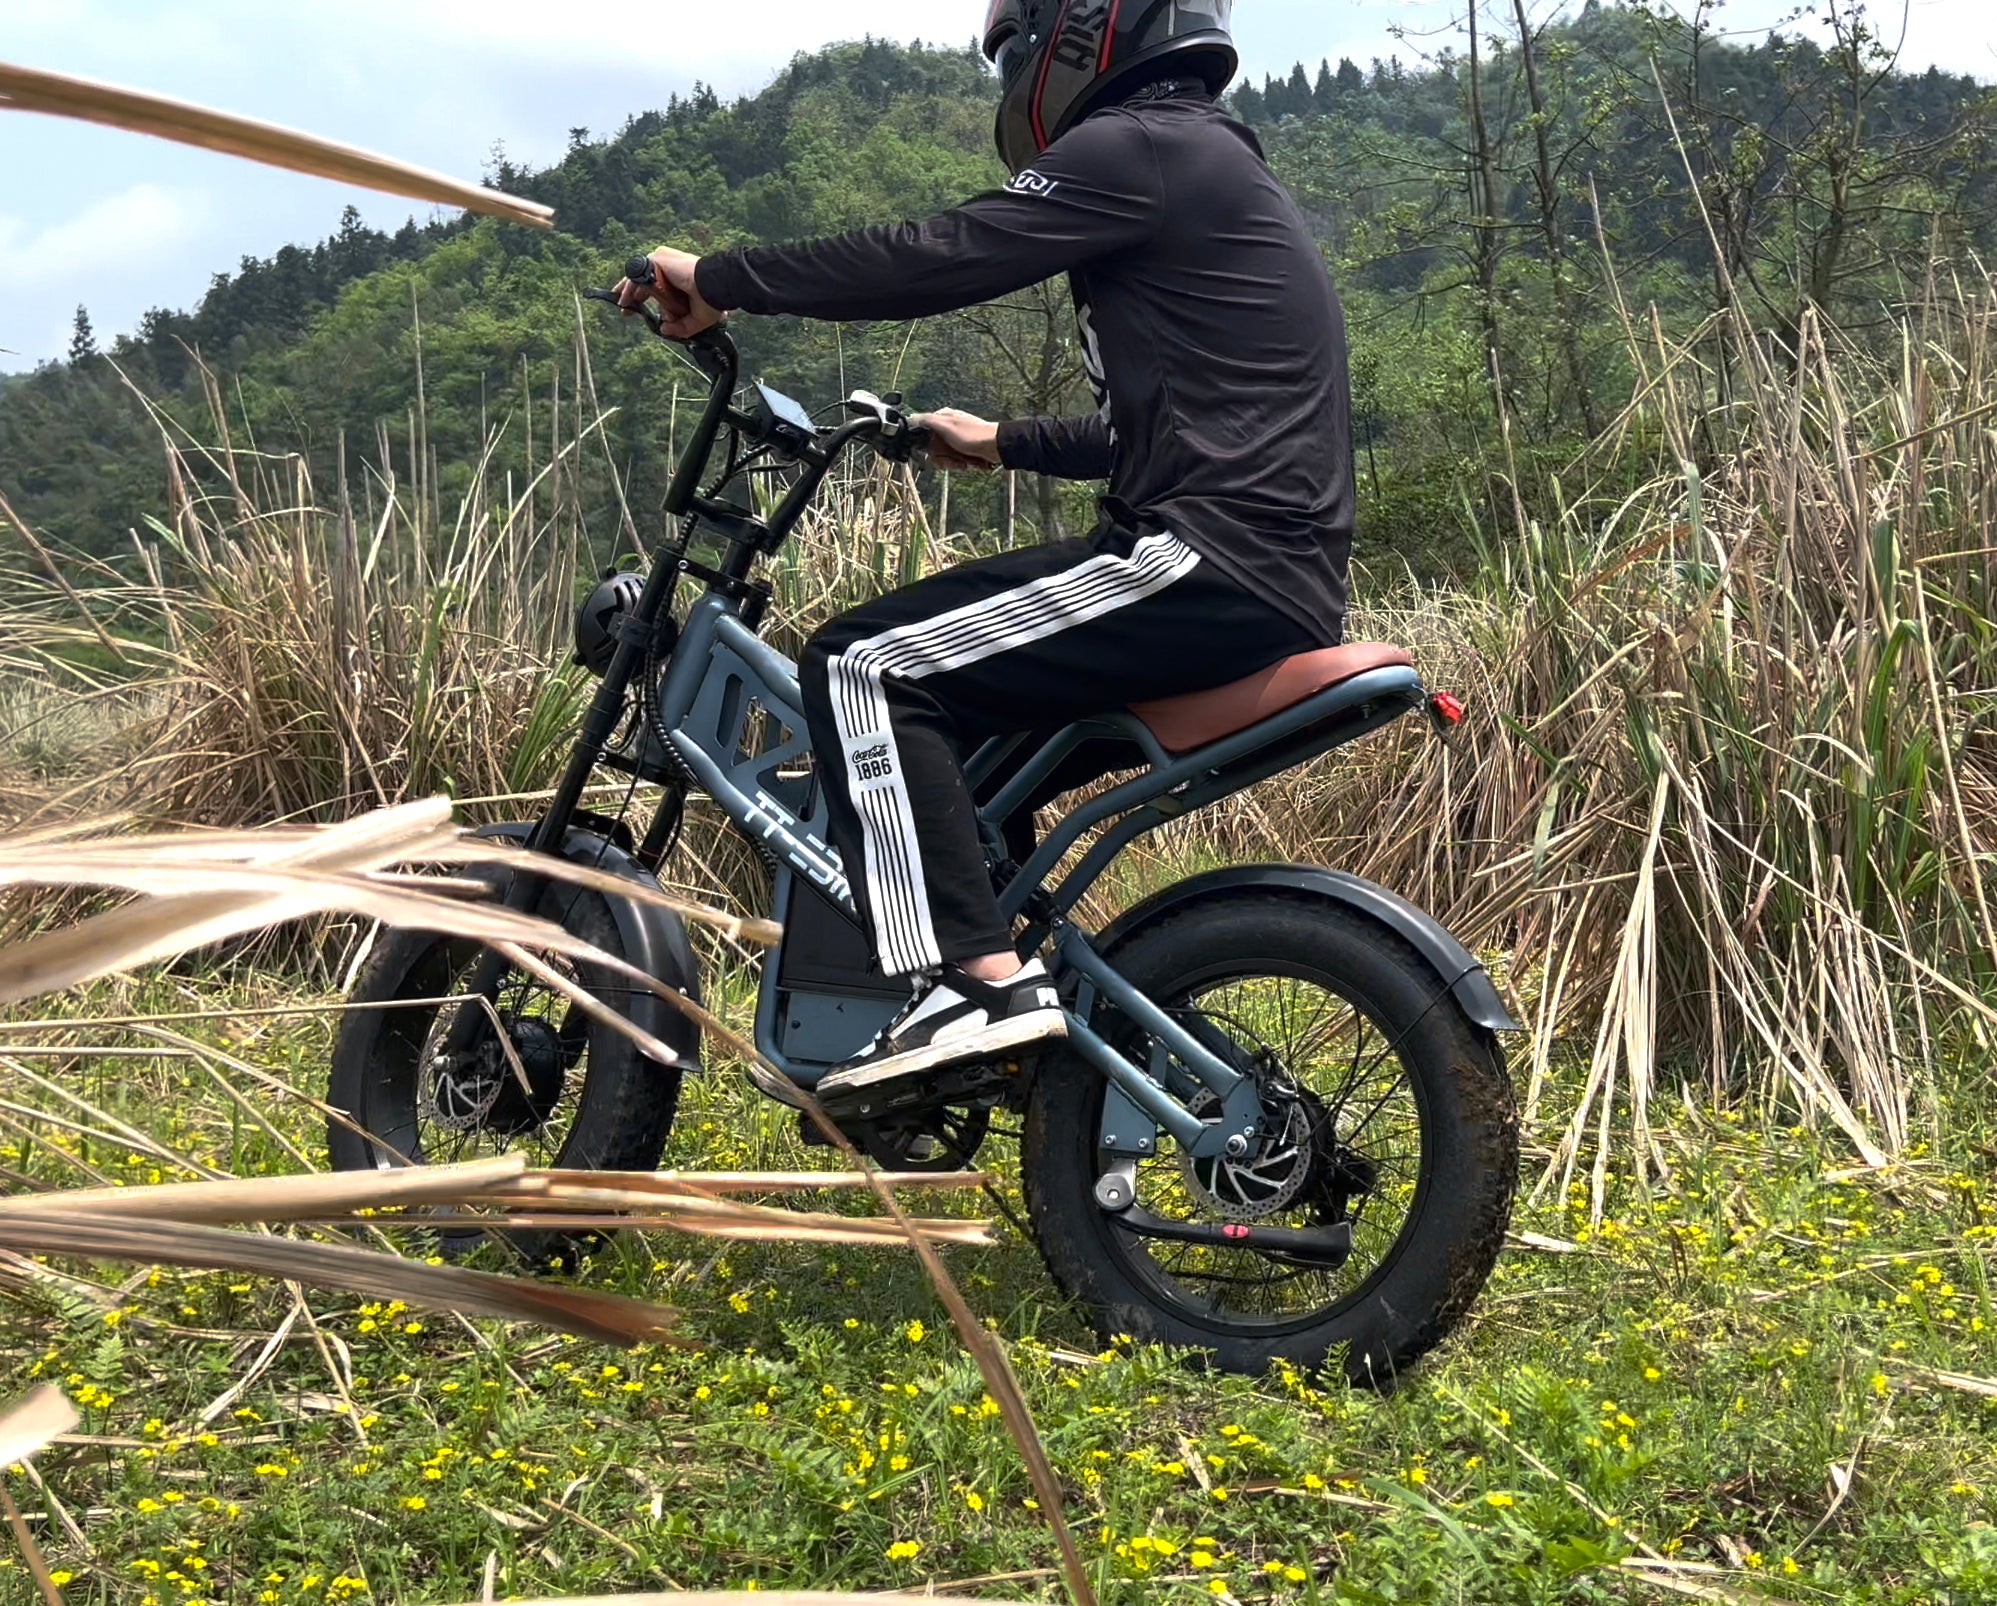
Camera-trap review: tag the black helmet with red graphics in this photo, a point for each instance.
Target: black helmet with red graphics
(1061, 59)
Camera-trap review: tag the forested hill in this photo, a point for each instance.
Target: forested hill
(1463, 203)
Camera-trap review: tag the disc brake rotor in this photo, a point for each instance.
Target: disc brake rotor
(482, 1090)
(1266, 1180)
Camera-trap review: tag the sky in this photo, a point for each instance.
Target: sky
(120, 223)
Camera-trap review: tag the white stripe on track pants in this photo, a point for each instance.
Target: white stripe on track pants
(899, 692)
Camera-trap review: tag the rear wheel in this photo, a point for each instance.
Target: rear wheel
(1390, 1119)
(534, 1074)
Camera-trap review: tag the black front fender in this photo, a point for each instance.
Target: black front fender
(1455, 966)
(655, 938)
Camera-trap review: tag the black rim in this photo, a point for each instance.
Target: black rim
(1350, 1147)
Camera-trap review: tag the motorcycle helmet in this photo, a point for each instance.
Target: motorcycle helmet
(1060, 59)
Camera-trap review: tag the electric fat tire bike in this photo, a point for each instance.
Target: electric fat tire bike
(1280, 1125)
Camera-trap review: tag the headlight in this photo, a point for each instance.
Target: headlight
(597, 620)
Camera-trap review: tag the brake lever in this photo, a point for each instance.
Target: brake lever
(902, 437)
(644, 309)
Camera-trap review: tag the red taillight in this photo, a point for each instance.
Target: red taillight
(1448, 707)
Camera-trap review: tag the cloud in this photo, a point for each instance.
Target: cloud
(49, 33)
(96, 256)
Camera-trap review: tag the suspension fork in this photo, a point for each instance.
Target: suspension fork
(599, 725)
(716, 356)
(1141, 1102)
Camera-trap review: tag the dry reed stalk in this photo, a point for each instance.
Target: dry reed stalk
(764, 1597)
(38, 1567)
(201, 888)
(34, 1423)
(604, 1318)
(58, 95)
(724, 1182)
(499, 1190)
(266, 874)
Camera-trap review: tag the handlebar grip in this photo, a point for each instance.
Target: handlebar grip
(641, 272)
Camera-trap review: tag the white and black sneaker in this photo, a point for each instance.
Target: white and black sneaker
(956, 1020)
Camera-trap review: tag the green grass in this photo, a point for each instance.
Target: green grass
(1685, 1380)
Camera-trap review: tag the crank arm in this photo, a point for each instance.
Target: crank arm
(1329, 1247)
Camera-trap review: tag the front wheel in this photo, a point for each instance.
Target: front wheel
(529, 1072)
(1391, 1119)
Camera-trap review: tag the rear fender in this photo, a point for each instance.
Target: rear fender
(655, 938)
(1456, 968)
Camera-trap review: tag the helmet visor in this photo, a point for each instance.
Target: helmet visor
(1010, 57)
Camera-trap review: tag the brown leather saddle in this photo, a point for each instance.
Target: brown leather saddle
(1183, 724)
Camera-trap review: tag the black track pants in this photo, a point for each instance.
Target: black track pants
(900, 692)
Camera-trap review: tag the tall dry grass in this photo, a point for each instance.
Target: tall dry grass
(277, 656)
(272, 650)
(1725, 800)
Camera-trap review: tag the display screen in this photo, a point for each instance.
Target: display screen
(786, 411)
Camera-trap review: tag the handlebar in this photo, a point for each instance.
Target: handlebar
(895, 435)
(878, 423)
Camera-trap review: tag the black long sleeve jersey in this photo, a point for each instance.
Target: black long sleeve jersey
(1213, 336)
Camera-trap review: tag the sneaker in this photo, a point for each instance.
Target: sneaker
(958, 1019)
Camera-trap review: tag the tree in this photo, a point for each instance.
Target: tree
(1324, 99)
(1546, 186)
(82, 338)
(1486, 213)
(1036, 366)
(1297, 97)
(1830, 183)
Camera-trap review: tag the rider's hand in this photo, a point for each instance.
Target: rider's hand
(961, 443)
(682, 311)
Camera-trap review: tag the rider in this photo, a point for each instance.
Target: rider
(1216, 349)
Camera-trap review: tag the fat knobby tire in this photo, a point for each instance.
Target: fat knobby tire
(626, 1106)
(1432, 1275)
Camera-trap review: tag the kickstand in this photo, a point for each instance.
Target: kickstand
(1006, 1210)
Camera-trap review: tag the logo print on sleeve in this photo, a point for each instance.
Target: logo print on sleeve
(1032, 183)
